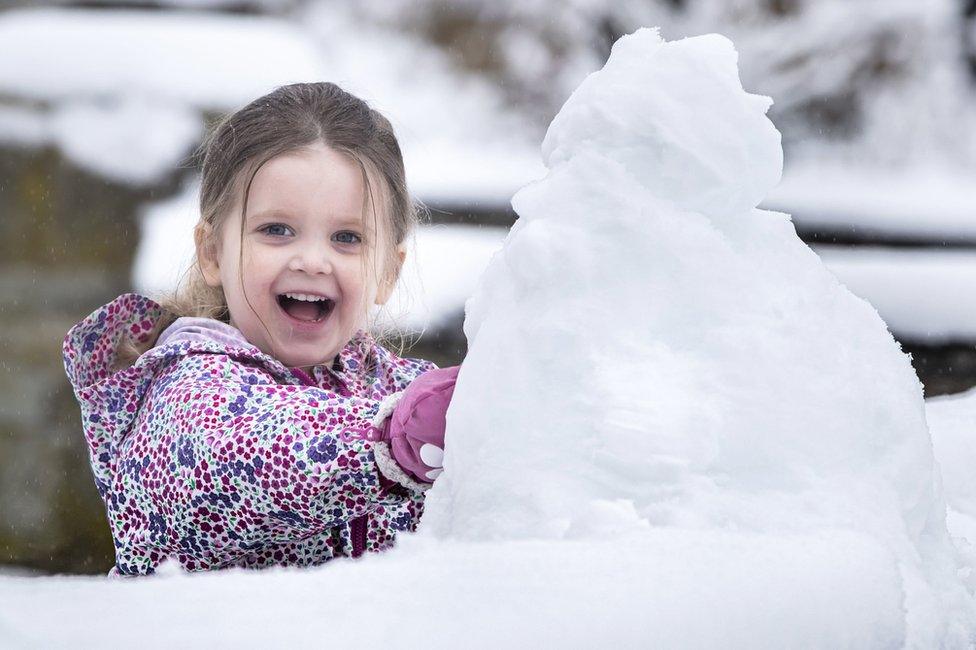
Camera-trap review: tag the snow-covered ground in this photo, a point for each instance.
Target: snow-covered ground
(677, 589)
(717, 592)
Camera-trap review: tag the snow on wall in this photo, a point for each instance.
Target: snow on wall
(922, 295)
(930, 202)
(122, 92)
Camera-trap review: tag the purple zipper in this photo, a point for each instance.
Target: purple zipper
(303, 376)
(307, 379)
(358, 533)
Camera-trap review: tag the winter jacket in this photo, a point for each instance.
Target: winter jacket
(214, 453)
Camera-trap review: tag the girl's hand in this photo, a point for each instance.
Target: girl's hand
(415, 430)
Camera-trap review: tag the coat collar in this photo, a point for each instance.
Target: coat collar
(89, 347)
(348, 366)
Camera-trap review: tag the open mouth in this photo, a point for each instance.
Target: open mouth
(309, 311)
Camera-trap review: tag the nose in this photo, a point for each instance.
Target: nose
(310, 257)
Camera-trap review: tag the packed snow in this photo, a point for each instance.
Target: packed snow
(674, 427)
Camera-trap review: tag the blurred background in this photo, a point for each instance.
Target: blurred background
(102, 103)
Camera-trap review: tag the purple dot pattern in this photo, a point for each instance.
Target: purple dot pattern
(220, 456)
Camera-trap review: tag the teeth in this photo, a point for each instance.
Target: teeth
(304, 296)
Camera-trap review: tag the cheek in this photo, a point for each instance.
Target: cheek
(260, 267)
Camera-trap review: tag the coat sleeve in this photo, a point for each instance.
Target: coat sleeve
(245, 464)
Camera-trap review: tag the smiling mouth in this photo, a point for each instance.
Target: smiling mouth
(310, 311)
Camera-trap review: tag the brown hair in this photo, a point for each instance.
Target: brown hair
(288, 118)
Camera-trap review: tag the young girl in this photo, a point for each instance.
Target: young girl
(250, 420)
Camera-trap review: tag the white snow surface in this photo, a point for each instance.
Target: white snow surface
(674, 428)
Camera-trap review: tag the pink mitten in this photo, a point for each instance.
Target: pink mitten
(415, 430)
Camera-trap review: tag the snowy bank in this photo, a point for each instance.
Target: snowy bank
(676, 589)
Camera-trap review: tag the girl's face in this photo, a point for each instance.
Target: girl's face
(304, 234)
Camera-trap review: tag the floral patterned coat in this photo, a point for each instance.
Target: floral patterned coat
(214, 453)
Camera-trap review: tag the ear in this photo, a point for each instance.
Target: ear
(386, 287)
(203, 238)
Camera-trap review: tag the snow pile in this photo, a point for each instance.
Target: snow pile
(649, 352)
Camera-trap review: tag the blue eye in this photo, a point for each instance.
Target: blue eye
(346, 237)
(267, 229)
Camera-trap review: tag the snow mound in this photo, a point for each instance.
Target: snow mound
(649, 351)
